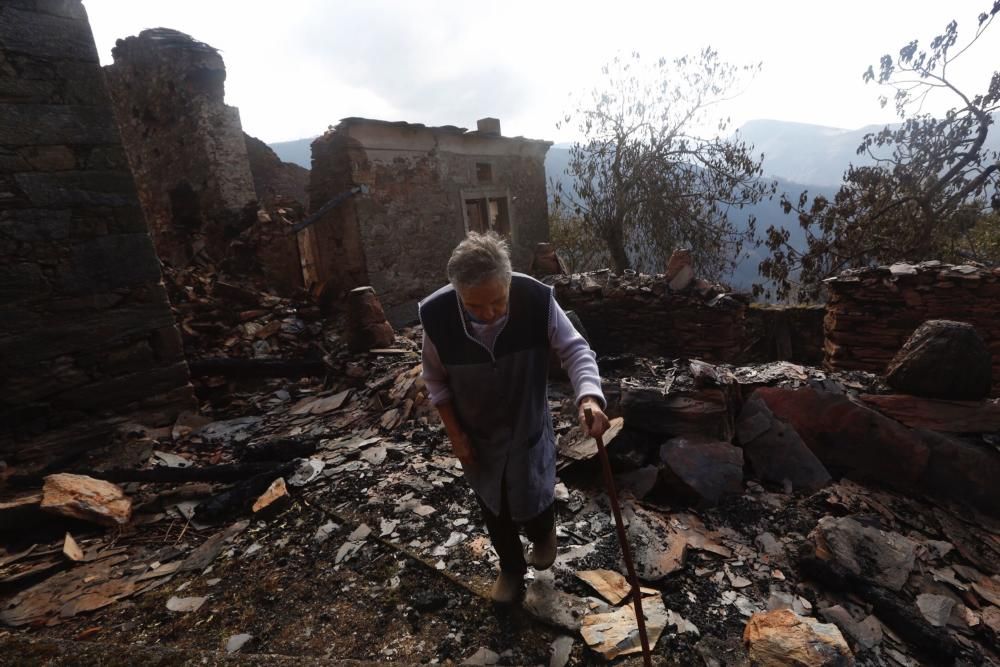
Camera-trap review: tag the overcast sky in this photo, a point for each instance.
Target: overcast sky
(296, 66)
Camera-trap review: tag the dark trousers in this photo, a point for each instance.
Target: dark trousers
(503, 531)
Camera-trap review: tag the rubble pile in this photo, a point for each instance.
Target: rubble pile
(652, 315)
(311, 508)
(872, 312)
(303, 516)
(220, 315)
(269, 249)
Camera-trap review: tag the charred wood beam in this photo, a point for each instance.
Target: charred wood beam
(226, 473)
(279, 449)
(329, 206)
(903, 618)
(245, 369)
(241, 497)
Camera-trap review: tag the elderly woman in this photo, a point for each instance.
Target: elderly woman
(487, 340)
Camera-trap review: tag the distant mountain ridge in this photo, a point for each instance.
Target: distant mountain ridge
(804, 153)
(297, 151)
(796, 152)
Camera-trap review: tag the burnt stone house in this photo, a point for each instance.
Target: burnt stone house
(185, 146)
(424, 188)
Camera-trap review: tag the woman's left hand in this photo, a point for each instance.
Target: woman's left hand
(599, 423)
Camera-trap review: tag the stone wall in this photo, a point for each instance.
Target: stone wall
(399, 235)
(872, 312)
(85, 327)
(184, 145)
(640, 314)
(784, 333)
(269, 247)
(273, 177)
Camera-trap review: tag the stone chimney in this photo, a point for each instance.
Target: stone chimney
(490, 126)
(184, 144)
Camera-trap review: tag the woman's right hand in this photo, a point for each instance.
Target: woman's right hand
(461, 446)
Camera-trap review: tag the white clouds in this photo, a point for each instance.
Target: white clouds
(297, 66)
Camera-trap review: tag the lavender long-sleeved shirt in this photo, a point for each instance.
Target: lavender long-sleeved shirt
(575, 354)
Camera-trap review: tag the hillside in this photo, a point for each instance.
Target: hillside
(768, 213)
(805, 153)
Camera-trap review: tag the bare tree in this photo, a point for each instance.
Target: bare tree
(579, 249)
(928, 189)
(646, 182)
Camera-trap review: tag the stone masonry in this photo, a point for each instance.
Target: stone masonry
(641, 314)
(872, 312)
(184, 144)
(85, 327)
(272, 177)
(426, 187)
(784, 333)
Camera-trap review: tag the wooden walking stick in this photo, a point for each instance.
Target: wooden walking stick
(609, 482)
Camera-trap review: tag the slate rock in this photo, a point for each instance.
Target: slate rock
(659, 548)
(680, 269)
(881, 557)
(639, 482)
(562, 647)
(367, 326)
(86, 498)
(557, 608)
(236, 642)
(483, 656)
(963, 470)
(782, 600)
(865, 634)
(935, 608)
(943, 359)
(850, 439)
(946, 416)
(701, 470)
(782, 638)
(693, 398)
(185, 605)
(238, 430)
(775, 451)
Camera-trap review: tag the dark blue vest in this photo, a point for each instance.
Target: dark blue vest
(501, 395)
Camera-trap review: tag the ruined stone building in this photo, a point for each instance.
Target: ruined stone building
(85, 328)
(201, 179)
(272, 177)
(184, 144)
(282, 197)
(426, 187)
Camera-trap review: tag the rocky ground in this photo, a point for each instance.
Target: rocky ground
(370, 547)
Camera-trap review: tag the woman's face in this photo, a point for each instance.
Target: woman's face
(487, 301)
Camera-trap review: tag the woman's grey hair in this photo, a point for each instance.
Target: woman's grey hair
(478, 259)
